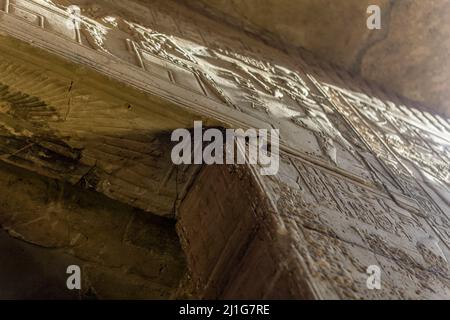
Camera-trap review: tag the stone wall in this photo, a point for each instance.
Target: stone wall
(409, 55)
(363, 179)
(123, 253)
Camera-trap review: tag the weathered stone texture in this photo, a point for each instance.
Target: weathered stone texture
(409, 55)
(85, 123)
(234, 243)
(123, 252)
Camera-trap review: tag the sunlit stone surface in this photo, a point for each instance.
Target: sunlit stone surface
(409, 54)
(85, 120)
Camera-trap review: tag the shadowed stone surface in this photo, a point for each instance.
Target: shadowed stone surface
(409, 55)
(85, 170)
(123, 252)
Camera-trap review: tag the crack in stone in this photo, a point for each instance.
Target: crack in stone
(370, 43)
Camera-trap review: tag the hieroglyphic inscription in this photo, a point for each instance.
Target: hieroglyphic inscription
(369, 179)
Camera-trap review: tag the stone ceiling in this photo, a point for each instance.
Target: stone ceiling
(409, 55)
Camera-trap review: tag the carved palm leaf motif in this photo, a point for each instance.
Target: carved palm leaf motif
(372, 188)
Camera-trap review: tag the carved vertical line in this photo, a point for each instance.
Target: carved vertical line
(6, 6)
(42, 22)
(172, 79)
(128, 42)
(200, 82)
(77, 34)
(131, 45)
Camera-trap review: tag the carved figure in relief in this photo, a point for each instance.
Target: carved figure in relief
(161, 44)
(384, 122)
(421, 157)
(248, 60)
(166, 47)
(209, 81)
(251, 93)
(261, 78)
(265, 82)
(293, 86)
(325, 132)
(414, 150)
(432, 253)
(95, 34)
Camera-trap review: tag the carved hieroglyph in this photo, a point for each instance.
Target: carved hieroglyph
(364, 179)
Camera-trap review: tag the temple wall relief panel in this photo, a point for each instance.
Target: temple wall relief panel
(364, 179)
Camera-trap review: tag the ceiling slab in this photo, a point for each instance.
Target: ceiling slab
(409, 55)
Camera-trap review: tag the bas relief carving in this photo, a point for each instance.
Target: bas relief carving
(363, 180)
